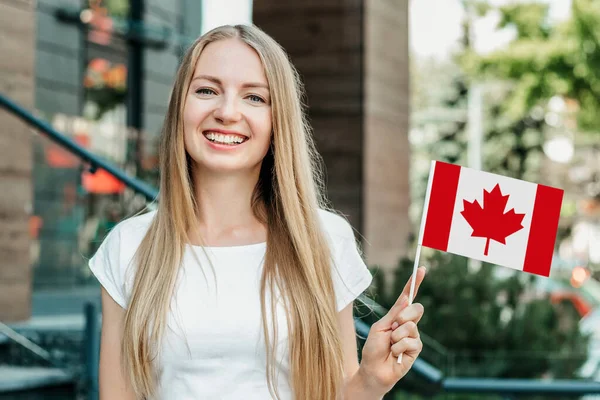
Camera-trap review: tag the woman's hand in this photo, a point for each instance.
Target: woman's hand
(394, 334)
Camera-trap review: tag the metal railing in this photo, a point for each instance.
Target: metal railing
(94, 161)
(507, 387)
(27, 344)
(423, 370)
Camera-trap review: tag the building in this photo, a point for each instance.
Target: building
(102, 73)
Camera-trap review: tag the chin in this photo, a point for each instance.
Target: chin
(226, 166)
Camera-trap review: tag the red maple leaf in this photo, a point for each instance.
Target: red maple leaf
(490, 221)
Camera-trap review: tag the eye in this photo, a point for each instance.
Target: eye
(256, 99)
(205, 91)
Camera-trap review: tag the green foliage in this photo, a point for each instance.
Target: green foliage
(511, 147)
(530, 20)
(477, 324)
(117, 8)
(548, 59)
(490, 326)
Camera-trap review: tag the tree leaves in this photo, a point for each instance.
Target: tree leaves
(548, 59)
(488, 326)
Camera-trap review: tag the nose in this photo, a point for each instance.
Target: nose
(227, 111)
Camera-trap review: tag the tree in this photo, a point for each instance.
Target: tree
(550, 61)
(547, 59)
(489, 326)
(512, 144)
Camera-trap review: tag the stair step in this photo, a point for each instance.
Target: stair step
(14, 378)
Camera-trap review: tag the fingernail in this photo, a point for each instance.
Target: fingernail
(394, 325)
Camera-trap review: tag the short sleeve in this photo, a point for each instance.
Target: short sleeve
(107, 267)
(351, 277)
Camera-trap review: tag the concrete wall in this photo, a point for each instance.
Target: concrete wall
(386, 123)
(324, 41)
(17, 61)
(353, 58)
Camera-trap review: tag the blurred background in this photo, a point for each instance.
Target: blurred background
(510, 87)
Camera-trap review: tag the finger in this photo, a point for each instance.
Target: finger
(384, 324)
(408, 329)
(419, 278)
(409, 346)
(414, 313)
(406, 291)
(400, 315)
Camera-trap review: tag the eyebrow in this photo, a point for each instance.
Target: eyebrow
(245, 85)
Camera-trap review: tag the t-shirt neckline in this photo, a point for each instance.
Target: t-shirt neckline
(242, 247)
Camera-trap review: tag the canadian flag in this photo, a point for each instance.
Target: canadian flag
(492, 218)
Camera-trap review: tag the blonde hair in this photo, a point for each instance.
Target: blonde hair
(287, 197)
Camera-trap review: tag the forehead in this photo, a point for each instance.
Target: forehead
(232, 61)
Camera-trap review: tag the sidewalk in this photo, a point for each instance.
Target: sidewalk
(65, 301)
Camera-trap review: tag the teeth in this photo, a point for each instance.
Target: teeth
(227, 139)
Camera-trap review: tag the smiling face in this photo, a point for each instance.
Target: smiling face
(227, 113)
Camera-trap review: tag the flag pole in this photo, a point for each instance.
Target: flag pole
(421, 230)
(412, 284)
(414, 274)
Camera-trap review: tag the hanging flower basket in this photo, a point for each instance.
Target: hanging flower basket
(105, 84)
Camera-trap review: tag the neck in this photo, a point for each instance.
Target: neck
(225, 211)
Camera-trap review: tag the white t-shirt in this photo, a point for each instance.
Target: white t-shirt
(213, 347)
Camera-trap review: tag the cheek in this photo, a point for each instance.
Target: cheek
(190, 112)
(191, 119)
(262, 127)
(193, 115)
(188, 128)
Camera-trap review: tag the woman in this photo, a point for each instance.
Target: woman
(240, 285)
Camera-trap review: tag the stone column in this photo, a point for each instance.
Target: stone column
(353, 58)
(386, 156)
(17, 49)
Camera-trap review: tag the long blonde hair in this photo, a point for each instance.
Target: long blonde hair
(286, 199)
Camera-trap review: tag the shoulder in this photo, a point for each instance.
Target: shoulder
(127, 235)
(138, 224)
(110, 264)
(134, 228)
(335, 225)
